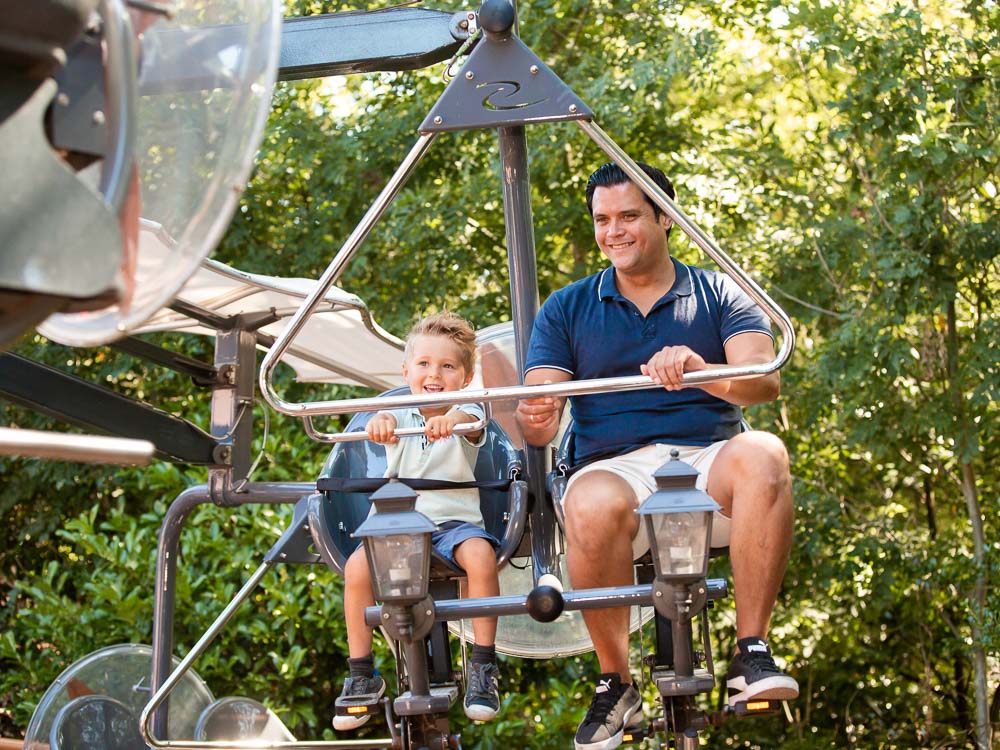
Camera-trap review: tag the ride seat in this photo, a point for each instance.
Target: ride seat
(334, 515)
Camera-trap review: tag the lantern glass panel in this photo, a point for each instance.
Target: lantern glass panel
(401, 563)
(682, 543)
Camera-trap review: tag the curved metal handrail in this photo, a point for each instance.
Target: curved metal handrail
(332, 273)
(571, 388)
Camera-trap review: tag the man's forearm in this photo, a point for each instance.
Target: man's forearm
(746, 392)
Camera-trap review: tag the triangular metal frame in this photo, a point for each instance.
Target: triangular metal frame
(502, 84)
(531, 102)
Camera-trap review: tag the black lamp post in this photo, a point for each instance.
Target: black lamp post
(678, 520)
(397, 541)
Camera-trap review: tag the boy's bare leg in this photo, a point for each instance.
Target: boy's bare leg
(357, 595)
(478, 559)
(600, 525)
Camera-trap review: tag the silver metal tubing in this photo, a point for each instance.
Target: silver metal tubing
(514, 392)
(68, 447)
(333, 272)
(700, 238)
(571, 388)
(121, 100)
(199, 648)
(516, 604)
(168, 552)
(402, 432)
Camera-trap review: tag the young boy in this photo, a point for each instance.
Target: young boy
(439, 356)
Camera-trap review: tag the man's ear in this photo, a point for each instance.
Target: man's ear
(665, 221)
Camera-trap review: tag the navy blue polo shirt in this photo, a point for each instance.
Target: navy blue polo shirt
(590, 330)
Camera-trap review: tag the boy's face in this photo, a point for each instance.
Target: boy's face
(435, 365)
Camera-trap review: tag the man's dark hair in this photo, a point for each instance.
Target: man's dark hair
(611, 174)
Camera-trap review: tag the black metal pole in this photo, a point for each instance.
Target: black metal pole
(524, 306)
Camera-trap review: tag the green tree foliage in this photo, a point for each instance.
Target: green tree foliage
(846, 153)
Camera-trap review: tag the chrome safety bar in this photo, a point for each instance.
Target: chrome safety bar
(403, 432)
(70, 447)
(332, 273)
(571, 388)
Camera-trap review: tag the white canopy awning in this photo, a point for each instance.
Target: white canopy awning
(340, 343)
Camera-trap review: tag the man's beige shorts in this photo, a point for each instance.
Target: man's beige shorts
(637, 469)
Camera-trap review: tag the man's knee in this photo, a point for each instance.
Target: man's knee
(599, 501)
(759, 452)
(756, 461)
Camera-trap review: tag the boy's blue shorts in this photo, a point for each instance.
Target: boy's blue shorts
(450, 534)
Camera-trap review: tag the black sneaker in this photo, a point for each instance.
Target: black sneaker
(754, 675)
(614, 707)
(482, 699)
(357, 701)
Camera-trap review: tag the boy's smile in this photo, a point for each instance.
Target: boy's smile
(435, 365)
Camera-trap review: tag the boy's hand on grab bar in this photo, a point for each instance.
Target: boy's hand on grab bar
(440, 427)
(381, 429)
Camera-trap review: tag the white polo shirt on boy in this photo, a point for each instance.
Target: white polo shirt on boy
(451, 460)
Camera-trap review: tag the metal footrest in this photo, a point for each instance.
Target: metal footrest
(439, 701)
(634, 735)
(358, 705)
(670, 685)
(755, 708)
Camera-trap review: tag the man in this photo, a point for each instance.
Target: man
(649, 313)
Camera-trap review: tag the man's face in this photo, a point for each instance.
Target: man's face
(627, 229)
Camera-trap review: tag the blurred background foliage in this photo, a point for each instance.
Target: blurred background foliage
(845, 153)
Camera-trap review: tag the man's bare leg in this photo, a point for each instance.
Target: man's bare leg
(750, 479)
(600, 524)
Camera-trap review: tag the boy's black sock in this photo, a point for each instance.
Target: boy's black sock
(363, 666)
(484, 654)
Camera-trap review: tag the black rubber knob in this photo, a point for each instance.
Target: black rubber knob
(497, 16)
(545, 603)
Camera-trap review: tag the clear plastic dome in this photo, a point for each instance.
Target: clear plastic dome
(205, 82)
(121, 673)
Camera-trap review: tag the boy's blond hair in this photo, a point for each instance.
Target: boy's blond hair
(448, 324)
